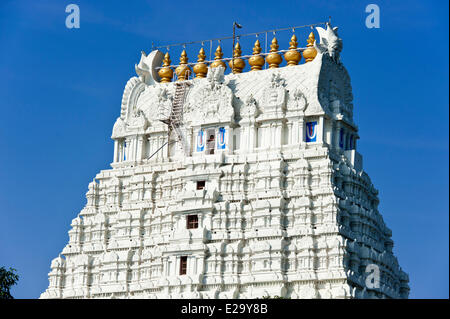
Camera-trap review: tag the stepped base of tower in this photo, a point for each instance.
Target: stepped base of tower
(270, 223)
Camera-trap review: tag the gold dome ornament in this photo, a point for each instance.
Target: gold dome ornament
(237, 64)
(310, 52)
(183, 70)
(166, 73)
(293, 57)
(256, 61)
(274, 59)
(218, 56)
(200, 69)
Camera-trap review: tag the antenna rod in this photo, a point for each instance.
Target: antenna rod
(235, 24)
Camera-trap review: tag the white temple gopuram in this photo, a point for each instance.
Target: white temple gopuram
(233, 185)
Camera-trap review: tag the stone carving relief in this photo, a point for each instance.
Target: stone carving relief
(276, 81)
(209, 101)
(133, 86)
(215, 75)
(137, 121)
(131, 118)
(155, 103)
(165, 98)
(250, 108)
(274, 96)
(298, 102)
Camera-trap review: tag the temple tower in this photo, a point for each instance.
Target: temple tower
(237, 185)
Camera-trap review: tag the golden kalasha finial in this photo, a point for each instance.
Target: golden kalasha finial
(166, 73)
(274, 59)
(310, 52)
(218, 56)
(200, 69)
(237, 64)
(256, 61)
(183, 69)
(293, 44)
(293, 57)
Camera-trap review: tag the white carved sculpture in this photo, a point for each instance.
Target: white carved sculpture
(329, 42)
(146, 67)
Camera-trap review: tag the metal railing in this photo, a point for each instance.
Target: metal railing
(238, 36)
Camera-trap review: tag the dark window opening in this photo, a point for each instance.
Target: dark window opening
(183, 265)
(210, 142)
(192, 221)
(200, 185)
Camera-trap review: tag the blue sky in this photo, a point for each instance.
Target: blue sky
(61, 90)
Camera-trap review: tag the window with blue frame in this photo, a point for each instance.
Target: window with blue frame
(341, 138)
(221, 140)
(200, 141)
(311, 131)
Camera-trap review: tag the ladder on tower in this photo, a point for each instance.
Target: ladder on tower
(174, 120)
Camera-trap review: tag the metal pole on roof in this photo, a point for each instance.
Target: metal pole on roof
(265, 51)
(210, 50)
(235, 24)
